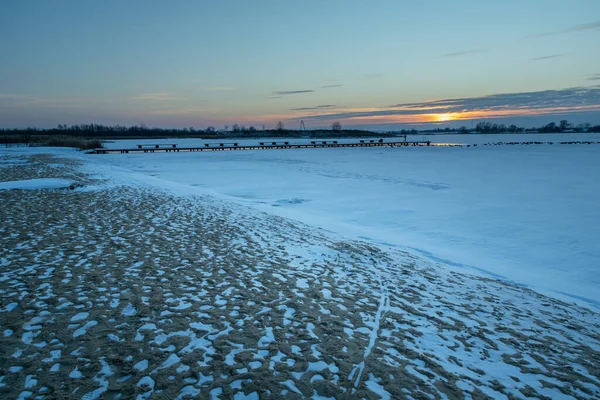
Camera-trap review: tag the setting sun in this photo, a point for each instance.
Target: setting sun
(444, 117)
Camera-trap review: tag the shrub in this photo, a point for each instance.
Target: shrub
(51, 141)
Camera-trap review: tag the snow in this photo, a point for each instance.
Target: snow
(301, 283)
(358, 369)
(524, 214)
(75, 374)
(79, 316)
(215, 393)
(375, 387)
(249, 396)
(169, 362)
(129, 311)
(25, 395)
(33, 184)
(141, 366)
(304, 306)
(83, 330)
(147, 383)
(254, 364)
(268, 338)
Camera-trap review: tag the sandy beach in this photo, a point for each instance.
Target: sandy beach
(112, 291)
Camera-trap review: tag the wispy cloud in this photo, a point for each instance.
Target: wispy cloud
(547, 57)
(323, 107)
(157, 97)
(595, 77)
(462, 53)
(330, 86)
(288, 92)
(530, 103)
(570, 29)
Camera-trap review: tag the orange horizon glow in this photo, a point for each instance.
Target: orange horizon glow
(292, 119)
(445, 117)
(465, 115)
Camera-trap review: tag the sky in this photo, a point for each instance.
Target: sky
(373, 64)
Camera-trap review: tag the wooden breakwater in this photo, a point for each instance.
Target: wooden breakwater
(270, 145)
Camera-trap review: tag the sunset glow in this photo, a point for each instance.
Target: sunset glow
(359, 74)
(444, 117)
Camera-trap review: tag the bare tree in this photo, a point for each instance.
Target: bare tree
(336, 126)
(279, 126)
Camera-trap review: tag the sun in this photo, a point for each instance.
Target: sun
(444, 117)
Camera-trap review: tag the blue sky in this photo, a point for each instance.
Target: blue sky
(201, 63)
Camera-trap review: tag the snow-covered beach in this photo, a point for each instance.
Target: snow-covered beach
(162, 275)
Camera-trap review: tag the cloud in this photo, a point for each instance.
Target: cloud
(323, 107)
(583, 27)
(570, 29)
(547, 57)
(288, 92)
(595, 77)
(157, 97)
(373, 76)
(462, 53)
(567, 100)
(330, 86)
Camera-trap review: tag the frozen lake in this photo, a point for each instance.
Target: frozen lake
(449, 139)
(526, 214)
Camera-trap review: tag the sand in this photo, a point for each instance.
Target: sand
(129, 292)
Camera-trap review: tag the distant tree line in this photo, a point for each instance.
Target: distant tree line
(99, 131)
(488, 127)
(562, 126)
(138, 131)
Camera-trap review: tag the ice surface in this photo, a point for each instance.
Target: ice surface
(469, 139)
(525, 214)
(32, 184)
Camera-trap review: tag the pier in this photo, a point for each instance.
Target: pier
(261, 145)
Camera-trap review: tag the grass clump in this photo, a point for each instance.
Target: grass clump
(50, 141)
